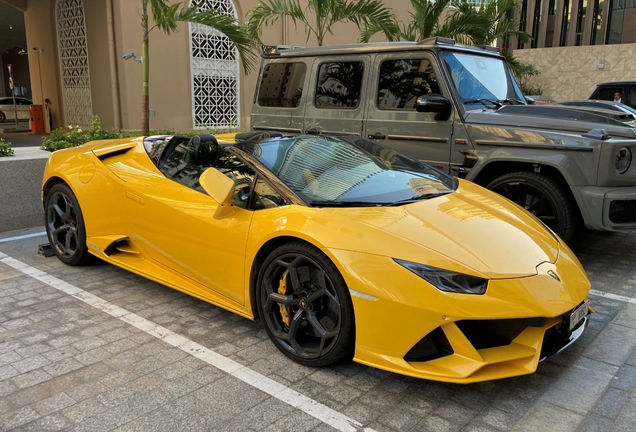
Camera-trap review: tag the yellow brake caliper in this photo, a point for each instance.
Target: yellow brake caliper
(285, 310)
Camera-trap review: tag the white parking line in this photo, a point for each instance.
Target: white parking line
(613, 296)
(21, 237)
(291, 397)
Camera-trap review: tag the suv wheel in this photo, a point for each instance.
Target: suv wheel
(544, 197)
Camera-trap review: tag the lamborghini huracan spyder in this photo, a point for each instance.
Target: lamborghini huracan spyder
(341, 247)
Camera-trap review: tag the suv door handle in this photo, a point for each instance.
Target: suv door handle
(313, 131)
(377, 136)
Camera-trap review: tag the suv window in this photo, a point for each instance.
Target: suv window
(607, 93)
(282, 85)
(339, 85)
(403, 81)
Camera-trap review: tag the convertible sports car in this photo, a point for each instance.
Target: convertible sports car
(341, 247)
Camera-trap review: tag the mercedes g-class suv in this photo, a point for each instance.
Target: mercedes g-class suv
(459, 109)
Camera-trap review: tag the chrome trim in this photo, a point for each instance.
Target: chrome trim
(418, 138)
(274, 128)
(535, 146)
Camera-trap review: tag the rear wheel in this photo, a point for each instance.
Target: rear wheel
(305, 305)
(544, 197)
(65, 226)
(3, 116)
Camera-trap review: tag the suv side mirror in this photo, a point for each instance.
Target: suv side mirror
(434, 104)
(530, 100)
(221, 188)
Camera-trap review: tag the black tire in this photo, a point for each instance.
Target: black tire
(65, 226)
(321, 327)
(547, 199)
(3, 116)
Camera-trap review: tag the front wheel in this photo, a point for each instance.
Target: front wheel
(547, 199)
(65, 226)
(3, 116)
(305, 305)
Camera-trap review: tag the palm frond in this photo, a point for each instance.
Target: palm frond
(268, 13)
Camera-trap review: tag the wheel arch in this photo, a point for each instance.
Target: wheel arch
(496, 169)
(258, 260)
(52, 181)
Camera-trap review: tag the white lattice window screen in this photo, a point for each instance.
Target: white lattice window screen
(76, 83)
(215, 72)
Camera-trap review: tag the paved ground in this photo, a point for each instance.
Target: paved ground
(86, 359)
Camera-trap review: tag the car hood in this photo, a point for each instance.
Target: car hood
(473, 226)
(556, 117)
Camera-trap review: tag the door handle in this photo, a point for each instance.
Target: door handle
(313, 131)
(378, 136)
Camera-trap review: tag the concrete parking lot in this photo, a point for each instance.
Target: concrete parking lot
(97, 348)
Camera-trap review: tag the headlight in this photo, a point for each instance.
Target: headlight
(446, 280)
(623, 160)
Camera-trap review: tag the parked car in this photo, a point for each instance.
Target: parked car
(22, 107)
(604, 105)
(606, 91)
(341, 247)
(459, 109)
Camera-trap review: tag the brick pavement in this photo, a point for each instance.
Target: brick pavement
(66, 365)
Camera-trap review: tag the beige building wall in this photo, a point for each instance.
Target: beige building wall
(571, 73)
(116, 84)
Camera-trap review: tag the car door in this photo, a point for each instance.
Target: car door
(337, 105)
(173, 219)
(391, 117)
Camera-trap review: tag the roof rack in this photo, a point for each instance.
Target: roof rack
(437, 40)
(272, 50)
(488, 48)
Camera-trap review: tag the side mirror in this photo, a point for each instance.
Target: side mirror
(221, 188)
(434, 104)
(530, 100)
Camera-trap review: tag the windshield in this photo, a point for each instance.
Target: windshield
(479, 79)
(353, 170)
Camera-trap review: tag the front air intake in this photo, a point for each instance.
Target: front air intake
(432, 346)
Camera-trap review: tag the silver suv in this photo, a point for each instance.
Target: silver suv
(459, 109)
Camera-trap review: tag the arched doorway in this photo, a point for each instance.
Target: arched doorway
(215, 73)
(74, 71)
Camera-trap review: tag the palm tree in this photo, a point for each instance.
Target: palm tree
(166, 17)
(464, 23)
(325, 13)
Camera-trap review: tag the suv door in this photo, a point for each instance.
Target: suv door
(278, 102)
(337, 103)
(400, 78)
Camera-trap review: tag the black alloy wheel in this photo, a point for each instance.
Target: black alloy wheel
(305, 305)
(65, 226)
(547, 199)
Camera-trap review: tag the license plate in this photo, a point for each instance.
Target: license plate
(578, 314)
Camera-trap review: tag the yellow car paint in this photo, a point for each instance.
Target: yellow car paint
(168, 233)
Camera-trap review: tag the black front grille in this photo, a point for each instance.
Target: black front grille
(433, 345)
(494, 333)
(623, 211)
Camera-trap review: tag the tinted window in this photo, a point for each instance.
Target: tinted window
(339, 85)
(265, 196)
(6, 101)
(350, 169)
(402, 81)
(606, 93)
(282, 85)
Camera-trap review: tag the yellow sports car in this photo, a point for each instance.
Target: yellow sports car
(341, 247)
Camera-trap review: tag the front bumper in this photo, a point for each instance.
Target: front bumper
(607, 208)
(397, 311)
